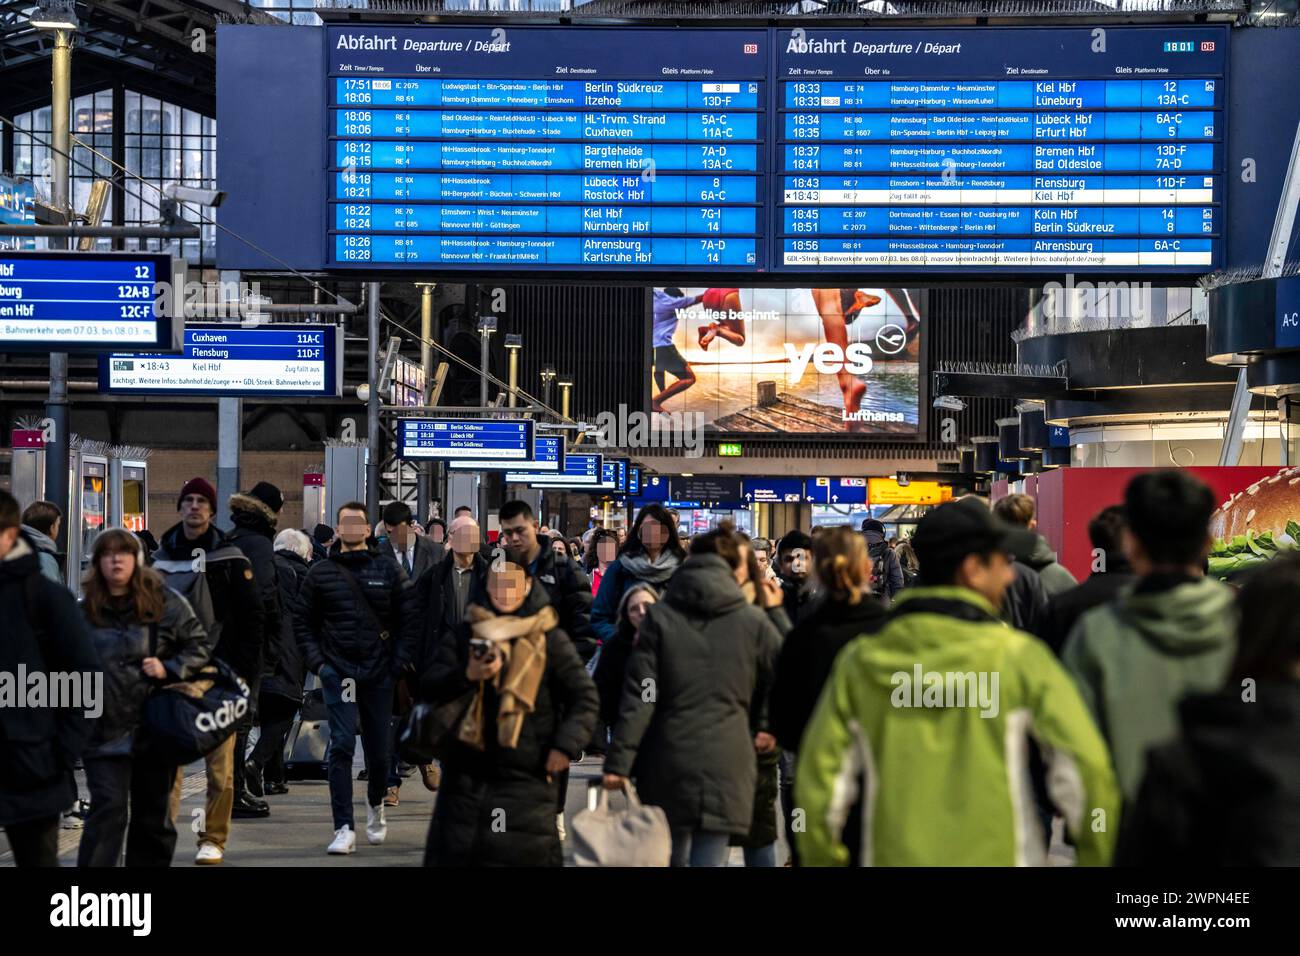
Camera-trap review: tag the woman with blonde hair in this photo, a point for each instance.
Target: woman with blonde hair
(847, 610)
(146, 635)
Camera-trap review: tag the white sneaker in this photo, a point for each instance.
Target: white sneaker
(376, 825)
(559, 824)
(209, 853)
(345, 841)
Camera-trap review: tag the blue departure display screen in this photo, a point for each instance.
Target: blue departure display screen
(1015, 149)
(481, 147)
(548, 456)
(509, 439)
(584, 470)
(86, 301)
(231, 360)
(775, 150)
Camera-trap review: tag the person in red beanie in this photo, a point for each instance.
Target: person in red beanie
(233, 617)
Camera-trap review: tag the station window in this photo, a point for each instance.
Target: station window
(162, 142)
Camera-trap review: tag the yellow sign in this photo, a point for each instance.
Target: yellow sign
(887, 491)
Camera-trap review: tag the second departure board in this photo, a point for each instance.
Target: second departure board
(1013, 149)
(564, 149)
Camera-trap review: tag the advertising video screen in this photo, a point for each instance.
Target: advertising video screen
(789, 361)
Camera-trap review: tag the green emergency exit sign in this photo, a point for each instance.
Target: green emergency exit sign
(729, 449)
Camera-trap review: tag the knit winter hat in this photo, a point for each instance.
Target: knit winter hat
(268, 494)
(198, 486)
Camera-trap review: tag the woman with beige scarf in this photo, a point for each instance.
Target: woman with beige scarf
(532, 708)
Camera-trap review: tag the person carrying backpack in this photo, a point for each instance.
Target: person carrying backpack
(196, 559)
(886, 571)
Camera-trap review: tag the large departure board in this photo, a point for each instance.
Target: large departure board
(1006, 149)
(568, 149)
(671, 151)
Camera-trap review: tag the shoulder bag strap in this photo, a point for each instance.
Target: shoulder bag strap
(350, 578)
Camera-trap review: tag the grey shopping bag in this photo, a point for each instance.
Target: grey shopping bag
(636, 836)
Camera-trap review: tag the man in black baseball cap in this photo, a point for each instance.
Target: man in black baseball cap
(961, 543)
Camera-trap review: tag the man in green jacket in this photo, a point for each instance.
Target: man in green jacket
(1170, 634)
(929, 722)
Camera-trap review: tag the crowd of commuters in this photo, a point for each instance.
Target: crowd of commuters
(951, 698)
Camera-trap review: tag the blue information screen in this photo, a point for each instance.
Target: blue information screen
(774, 150)
(548, 456)
(510, 439)
(86, 301)
(232, 360)
(836, 491)
(480, 147)
(583, 470)
(634, 481)
(1014, 149)
(773, 490)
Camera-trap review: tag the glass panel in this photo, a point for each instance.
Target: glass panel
(150, 115)
(193, 123)
(171, 118)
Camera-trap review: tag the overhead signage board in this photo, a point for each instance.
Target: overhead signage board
(88, 302)
(888, 491)
(773, 490)
(504, 439)
(229, 360)
(579, 470)
(548, 456)
(836, 491)
(706, 488)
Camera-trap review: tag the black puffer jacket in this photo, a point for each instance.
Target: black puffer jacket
(236, 601)
(284, 673)
(570, 592)
(122, 644)
(254, 534)
(39, 745)
(704, 649)
(1228, 792)
(806, 658)
(478, 787)
(332, 629)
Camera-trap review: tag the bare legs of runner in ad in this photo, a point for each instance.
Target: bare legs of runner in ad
(732, 330)
(837, 308)
(677, 387)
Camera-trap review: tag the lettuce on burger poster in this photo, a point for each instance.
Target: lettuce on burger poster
(1256, 525)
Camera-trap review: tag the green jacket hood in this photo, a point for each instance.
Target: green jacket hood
(1185, 619)
(1042, 555)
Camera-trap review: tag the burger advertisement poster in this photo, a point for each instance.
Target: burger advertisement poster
(789, 361)
(1256, 524)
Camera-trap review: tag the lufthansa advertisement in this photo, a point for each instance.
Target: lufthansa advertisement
(789, 361)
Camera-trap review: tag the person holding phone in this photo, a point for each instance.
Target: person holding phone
(533, 709)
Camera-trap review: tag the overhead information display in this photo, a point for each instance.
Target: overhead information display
(86, 301)
(230, 360)
(578, 470)
(501, 439)
(481, 147)
(548, 455)
(1016, 148)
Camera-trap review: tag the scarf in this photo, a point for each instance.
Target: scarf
(522, 643)
(652, 572)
